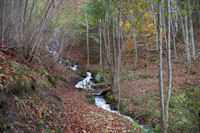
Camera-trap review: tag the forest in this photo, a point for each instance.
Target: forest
(100, 66)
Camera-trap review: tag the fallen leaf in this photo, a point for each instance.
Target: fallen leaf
(19, 125)
(30, 121)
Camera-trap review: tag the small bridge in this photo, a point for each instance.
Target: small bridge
(99, 90)
(101, 87)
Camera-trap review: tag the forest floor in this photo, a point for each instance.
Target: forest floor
(33, 101)
(66, 109)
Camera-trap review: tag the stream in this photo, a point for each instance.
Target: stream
(99, 100)
(86, 84)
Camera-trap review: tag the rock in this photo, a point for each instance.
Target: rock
(98, 76)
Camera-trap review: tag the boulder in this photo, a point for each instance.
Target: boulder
(98, 76)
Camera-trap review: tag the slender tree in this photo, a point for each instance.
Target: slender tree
(134, 38)
(169, 63)
(160, 66)
(87, 37)
(100, 43)
(191, 6)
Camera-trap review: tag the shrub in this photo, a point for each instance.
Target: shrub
(82, 73)
(90, 97)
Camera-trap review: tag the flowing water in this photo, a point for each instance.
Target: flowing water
(99, 100)
(86, 84)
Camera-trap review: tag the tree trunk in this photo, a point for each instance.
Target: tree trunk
(187, 49)
(42, 28)
(114, 53)
(119, 53)
(174, 43)
(155, 24)
(3, 20)
(108, 59)
(100, 44)
(87, 38)
(192, 37)
(160, 67)
(134, 38)
(164, 24)
(169, 64)
(61, 47)
(31, 12)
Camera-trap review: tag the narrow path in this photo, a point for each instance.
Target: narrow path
(82, 116)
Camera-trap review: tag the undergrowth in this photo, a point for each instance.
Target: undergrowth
(28, 102)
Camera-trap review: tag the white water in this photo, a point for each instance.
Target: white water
(74, 68)
(85, 83)
(100, 102)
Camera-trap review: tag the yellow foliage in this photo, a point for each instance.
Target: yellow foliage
(145, 33)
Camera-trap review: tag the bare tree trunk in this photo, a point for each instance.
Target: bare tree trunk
(165, 32)
(61, 47)
(169, 64)
(41, 22)
(100, 44)
(174, 31)
(174, 42)
(3, 20)
(108, 57)
(114, 53)
(192, 37)
(134, 38)
(155, 24)
(184, 26)
(160, 67)
(164, 24)
(187, 49)
(43, 27)
(31, 12)
(87, 37)
(119, 53)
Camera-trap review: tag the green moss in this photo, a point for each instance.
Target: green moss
(82, 73)
(90, 97)
(95, 72)
(110, 98)
(123, 107)
(153, 59)
(50, 78)
(98, 76)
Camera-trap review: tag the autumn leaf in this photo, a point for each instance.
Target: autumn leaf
(19, 124)
(30, 121)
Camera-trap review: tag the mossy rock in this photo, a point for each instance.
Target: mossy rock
(90, 97)
(110, 97)
(98, 76)
(82, 73)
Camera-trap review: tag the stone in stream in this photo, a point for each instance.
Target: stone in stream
(98, 76)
